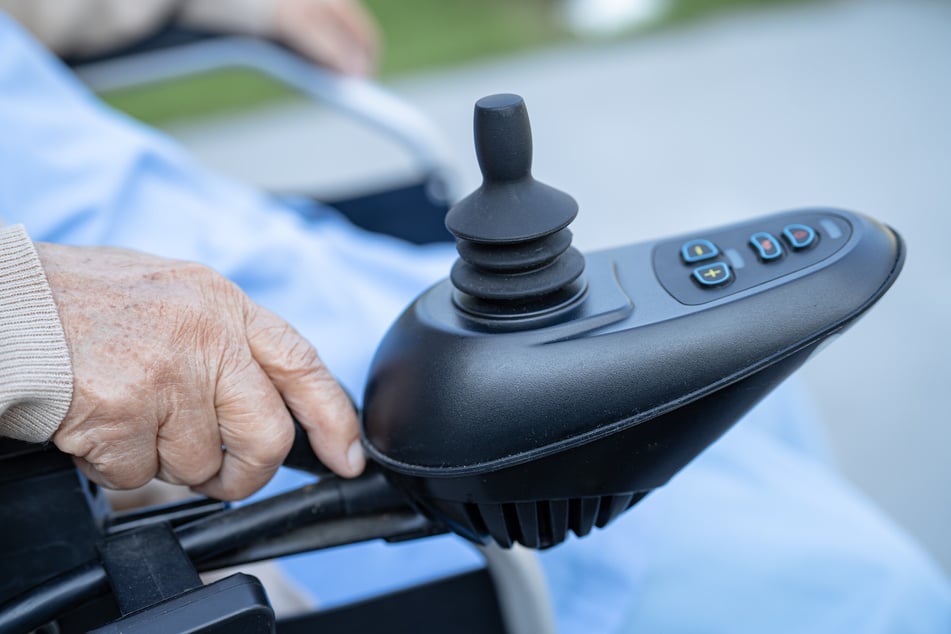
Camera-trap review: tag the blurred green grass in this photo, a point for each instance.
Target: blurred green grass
(418, 35)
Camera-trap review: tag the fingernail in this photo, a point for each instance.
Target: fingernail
(355, 457)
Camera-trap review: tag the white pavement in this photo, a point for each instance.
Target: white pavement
(841, 103)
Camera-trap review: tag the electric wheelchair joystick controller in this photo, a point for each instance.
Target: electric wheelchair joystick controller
(538, 393)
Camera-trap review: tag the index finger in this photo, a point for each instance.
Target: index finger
(309, 390)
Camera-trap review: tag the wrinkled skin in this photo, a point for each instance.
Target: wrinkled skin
(179, 376)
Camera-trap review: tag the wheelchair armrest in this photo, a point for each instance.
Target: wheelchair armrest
(422, 200)
(178, 53)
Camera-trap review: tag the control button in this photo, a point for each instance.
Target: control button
(766, 246)
(799, 236)
(714, 274)
(698, 250)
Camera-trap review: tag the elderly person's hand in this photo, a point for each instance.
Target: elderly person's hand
(339, 34)
(178, 375)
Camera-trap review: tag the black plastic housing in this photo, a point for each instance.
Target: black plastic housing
(523, 428)
(235, 604)
(43, 501)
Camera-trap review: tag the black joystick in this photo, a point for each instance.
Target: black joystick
(515, 249)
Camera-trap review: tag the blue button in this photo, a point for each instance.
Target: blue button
(698, 250)
(799, 236)
(766, 246)
(713, 274)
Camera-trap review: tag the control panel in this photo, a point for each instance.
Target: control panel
(697, 270)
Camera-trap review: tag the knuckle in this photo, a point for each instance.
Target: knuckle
(270, 453)
(204, 471)
(132, 478)
(117, 450)
(193, 473)
(283, 439)
(292, 350)
(234, 491)
(236, 488)
(119, 472)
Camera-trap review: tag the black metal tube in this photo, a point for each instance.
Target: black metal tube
(44, 603)
(400, 525)
(230, 529)
(330, 498)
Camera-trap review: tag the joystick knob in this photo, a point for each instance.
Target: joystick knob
(515, 253)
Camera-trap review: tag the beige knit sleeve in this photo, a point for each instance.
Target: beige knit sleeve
(36, 380)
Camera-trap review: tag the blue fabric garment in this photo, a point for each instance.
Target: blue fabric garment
(759, 534)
